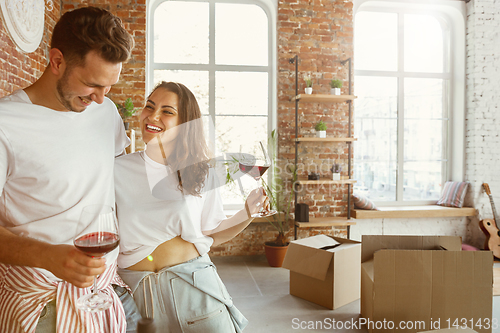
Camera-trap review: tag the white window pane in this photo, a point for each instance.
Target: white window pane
(241, 35)
(425, 122)
(196, 81)
(235, 134)
(375, 156)
(377, 97)
(424, 98)
(181, 32)
(376, 41)
(232, 193)
(423, 139)
(379, 180)
(422, 180)
(423, 44)
(241, 93)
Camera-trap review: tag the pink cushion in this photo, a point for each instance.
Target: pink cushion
(453, 194)
(362, 202)
(467, 247)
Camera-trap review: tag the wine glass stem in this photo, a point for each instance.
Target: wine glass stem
(95, 286)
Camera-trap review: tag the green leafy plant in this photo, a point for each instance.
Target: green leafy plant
(126, 109)
(336, 168)
(279, 199)
(320, 126)
(335, 83)
(309, 82)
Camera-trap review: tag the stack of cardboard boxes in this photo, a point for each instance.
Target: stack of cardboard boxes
(419, 282)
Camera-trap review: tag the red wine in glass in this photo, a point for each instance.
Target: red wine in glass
(255, 171)
(97, 244)
(96, 235)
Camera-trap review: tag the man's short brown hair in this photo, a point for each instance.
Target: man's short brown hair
(91, 29)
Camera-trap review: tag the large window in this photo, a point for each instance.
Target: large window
(224, 52)
(406, 81)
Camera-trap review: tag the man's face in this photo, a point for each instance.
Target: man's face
(79, 86)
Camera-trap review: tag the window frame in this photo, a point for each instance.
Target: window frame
(270, 8)
(450, 14)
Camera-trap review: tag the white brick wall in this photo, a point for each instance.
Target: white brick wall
(482, 147)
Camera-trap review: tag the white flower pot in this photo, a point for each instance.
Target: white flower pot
(335, 176)
(309, 90)
(321, 134)
(335, 91)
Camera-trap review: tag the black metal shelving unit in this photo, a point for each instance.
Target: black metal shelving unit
(320, 98)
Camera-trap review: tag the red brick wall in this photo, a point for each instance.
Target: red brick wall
(18, 69)
(321, 34)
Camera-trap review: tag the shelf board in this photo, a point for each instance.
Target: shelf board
(323, 98)
(327, 139)
(325, 222)
(413, 211)
(305, 181)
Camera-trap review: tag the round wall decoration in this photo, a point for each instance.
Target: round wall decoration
(24, 20)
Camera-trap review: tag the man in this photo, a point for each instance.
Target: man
(58, 140)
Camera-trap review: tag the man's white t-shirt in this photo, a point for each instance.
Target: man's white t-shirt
(151, 209)
(52, 164)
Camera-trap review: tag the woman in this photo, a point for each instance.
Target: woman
(170, 213)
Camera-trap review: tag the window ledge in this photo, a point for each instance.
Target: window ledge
(413, 211)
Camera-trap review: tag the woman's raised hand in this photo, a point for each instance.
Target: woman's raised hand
(256, 200)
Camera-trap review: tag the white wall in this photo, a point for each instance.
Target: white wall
(449, 226)
(482, 147)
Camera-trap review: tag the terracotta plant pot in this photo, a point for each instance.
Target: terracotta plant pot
(275, 254)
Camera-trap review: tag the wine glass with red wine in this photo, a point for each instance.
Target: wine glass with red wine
(96, 235)
(256, 168)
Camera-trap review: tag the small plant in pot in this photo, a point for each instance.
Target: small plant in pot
(320, 129)
(309, 84)
(336, 169)
(281, 201)
(126, 110)
(335, 84)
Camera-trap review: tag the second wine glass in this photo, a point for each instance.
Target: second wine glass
(96, 235)
(256, 168)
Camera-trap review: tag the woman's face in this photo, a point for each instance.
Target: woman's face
(160, 116)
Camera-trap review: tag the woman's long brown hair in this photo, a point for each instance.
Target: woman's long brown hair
(191, 155)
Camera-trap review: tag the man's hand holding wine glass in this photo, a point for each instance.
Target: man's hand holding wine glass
(96, 235)
(72, 265)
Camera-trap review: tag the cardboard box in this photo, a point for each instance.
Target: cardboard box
(424, 279)
(331, 277)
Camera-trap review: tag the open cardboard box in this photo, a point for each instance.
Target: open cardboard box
(328, 277)
(424, 279)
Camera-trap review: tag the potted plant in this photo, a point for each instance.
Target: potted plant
(320, 129)
(126, 110)
(309, 84)
(335, 84)
(281, 201)
(336, 169)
